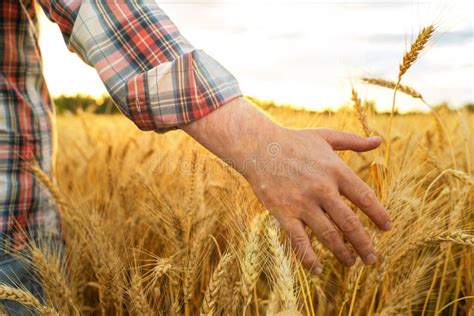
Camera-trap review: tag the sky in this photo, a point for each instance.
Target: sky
(308, 53)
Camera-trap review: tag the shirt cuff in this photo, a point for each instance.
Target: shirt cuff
(179, 92)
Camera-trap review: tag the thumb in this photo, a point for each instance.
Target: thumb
(349, 141)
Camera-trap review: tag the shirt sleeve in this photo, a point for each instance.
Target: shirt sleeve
(154, 75)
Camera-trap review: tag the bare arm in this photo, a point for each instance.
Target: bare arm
(298, 176)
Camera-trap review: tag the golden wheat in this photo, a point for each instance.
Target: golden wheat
(408, 59)
(415, 49)
(154, 224)
(177, 241)
(391, 85)
(25, 298)
(361, 113)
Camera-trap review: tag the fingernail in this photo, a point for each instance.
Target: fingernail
(370, 259)
(387, 225)
(350, 261)
(374, 138)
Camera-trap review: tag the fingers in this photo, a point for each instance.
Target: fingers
(356, 190)
(350, 225)
(349, 141)
(301, 244)
(328, 235)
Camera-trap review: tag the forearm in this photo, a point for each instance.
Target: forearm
(236, 133)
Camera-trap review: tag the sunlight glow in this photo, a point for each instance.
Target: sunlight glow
(308, 52)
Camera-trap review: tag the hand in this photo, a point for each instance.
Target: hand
(304, 186)
(299, 178)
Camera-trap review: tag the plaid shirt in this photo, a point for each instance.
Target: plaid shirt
(154, 75)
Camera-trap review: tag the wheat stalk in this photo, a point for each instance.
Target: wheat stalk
(408, 59)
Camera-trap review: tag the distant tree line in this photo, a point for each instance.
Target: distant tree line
(105, 104)
(80, 102)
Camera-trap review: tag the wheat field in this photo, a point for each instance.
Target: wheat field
(154, 224)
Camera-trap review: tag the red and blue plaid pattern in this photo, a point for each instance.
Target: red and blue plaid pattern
(155, 76)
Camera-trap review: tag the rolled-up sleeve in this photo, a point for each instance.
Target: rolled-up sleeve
(154, 75)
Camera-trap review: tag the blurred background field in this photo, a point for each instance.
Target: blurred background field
(104, 105)
(154, 224)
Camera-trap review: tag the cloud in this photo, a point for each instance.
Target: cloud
(307, 51)
(287, 36)
(449, 38)
(456, 37)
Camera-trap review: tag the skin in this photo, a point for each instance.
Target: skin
(298, 176)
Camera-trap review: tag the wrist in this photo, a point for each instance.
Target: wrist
(237, 133)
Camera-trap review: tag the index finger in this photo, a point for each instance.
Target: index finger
(357, 191)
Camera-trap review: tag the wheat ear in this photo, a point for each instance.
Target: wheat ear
(251, 262)
(391, 85)
(159, 267)
(400, 297)
(53, 280)
(463, 176)
(415, 49)
(46, 181)
(361, 115)
(282, 270)
(139, 302)
(25, 298)
(441, 128)
(459, 238)
(211, 295)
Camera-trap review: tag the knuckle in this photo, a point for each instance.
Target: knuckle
(307, 211)
(363, 245)
(365, 250)
(300, 242)
(323, 189)
(298, 198)
(271, 202)
(349, 137)
(350, 224)
(345, 257)
(265, 195)
(339, 170)
(354, 138)
(368, 198)
(333, 165)
(329, 235)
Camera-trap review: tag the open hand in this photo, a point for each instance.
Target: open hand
(299, 178)
(304, 186)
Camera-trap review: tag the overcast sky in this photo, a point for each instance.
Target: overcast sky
(308, 52)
